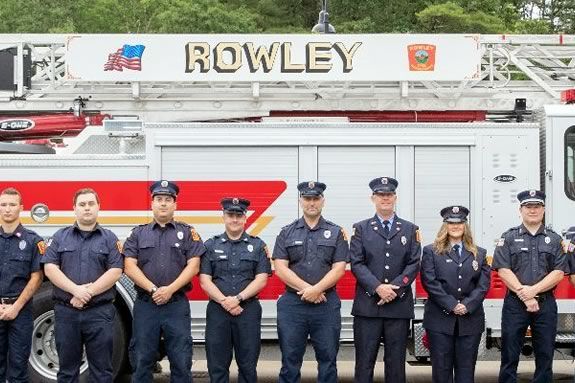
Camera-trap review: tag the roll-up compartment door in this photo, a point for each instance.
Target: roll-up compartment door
(267, 176)
(347, 172)
(441, 179)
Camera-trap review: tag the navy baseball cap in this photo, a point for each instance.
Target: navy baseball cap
(383, 185)
(235, 205)
(164, 188)
(454, 214)
(311, 189)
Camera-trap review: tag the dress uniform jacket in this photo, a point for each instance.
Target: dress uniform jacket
(377, 258)
(450, 279)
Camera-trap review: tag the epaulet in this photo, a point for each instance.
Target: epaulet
(182, 223)
(288, 225)
(512, 230)
(253, 236)
(331, 223)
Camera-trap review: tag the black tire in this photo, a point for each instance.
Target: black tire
(43, 363)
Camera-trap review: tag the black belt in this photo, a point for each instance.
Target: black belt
(539, 297)
(292, 290)
(148, 298)
(8, 301)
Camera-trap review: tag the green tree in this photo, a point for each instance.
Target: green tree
(452, 18)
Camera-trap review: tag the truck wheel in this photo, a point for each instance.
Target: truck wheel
(43, 363)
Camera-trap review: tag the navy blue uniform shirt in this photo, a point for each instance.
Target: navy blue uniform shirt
(84, 257)
(530, 257)
(233, 264)
(163, 252)
(311, 252)
(20, 254)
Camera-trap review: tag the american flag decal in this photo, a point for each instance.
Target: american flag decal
(129, 57)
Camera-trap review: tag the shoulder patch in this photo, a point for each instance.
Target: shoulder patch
(41, 247)
(195, 235)
(418, 235)
(344, 234)
(500, 242)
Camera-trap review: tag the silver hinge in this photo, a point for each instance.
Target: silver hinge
(549, 174)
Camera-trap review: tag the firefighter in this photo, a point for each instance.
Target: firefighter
(309, 256)
(456, 275)
(385, 252)
(233, 271)
(530, 260)
(83, 262)
(20, 277)
(161, 258)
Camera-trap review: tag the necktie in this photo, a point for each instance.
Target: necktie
(456, 249)
(386, 227)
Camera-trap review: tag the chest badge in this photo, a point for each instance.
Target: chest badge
(18, 234)
(475, 265)
(250, 248)
(403, 240)
(375, 228)
(327, 234)
(177, 244)
(547, 240)
(180, 235)
(22, 245)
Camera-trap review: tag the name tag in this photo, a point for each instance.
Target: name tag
(298, 242)
(448, 260)
(519, 240)
(218, 251)
(525, 249)
(223, 257)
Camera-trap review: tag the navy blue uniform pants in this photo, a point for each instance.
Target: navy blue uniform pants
(514, 322)
(321, 322)
(368, 332)
(91, 328)
(227, 335)
(151, 321)
(15, 344)
(453, 356)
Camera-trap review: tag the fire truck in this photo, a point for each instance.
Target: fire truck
(457, 119)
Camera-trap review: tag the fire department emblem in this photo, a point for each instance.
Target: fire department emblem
(475, 265)
(164, 184)
(311, 184)
(384, 181)
(455, 209)
(403, 240)
(327, 234)
(180, 235)
(250, 248)
(421, 57)
(22, 245)
(532, 193)
(547, 240)
(235, 201)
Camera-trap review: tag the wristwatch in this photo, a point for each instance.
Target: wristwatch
(153, 289)
(240, 298)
